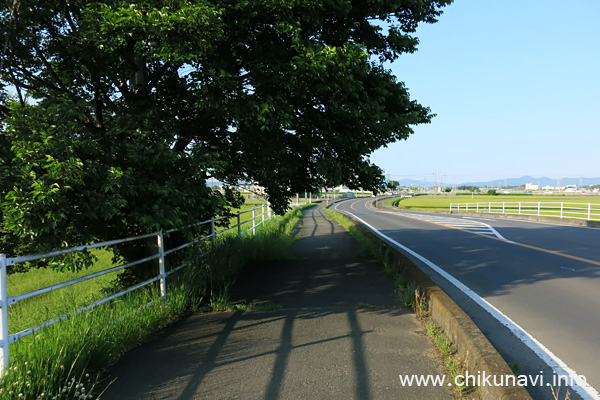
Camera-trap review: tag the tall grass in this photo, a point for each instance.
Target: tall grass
(57, 360)
(66, 360)
(218, 265)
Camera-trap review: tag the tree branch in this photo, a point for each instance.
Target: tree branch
(27, 75)
(17, 88)
(98, 109)
(60, 83)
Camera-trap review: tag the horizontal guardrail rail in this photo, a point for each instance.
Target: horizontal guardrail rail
(583, 211)
(259, 216)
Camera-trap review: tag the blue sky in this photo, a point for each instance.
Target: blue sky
(515, 85)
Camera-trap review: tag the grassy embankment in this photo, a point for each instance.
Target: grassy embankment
(65, 361)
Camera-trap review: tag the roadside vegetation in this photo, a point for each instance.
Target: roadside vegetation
(453, 364)
(66, 360)
(35, 310)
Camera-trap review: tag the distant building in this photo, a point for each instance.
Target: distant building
(531, 186)
(338, 189)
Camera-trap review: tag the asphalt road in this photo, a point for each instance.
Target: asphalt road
(544, 278)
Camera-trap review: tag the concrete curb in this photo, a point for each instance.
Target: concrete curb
(472, 346)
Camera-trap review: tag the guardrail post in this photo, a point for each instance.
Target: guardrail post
(269, 211)
(561, 209)
(161, 264)
(477, 207)
(467, 209)
(539, 208)
(239, 225)
(490, 207)
(503, 208)
(254, 221)
(519, 208)
(212, 230)
(589, 211)
(262, 213)
(4, 315)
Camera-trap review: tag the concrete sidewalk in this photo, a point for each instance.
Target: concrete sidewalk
(339, 335)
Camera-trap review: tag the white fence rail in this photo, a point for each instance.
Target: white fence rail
(584, 211)
(259, 216)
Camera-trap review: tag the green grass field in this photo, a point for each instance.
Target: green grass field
(572, 206)
(40, 308)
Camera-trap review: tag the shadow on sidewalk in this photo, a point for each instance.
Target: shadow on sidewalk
(256, 353)
(340, 334)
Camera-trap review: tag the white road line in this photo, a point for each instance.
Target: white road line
(475, 226)
(559, 367)
(480, 219)
(532, 222)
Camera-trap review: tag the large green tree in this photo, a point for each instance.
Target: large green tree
(115, 113)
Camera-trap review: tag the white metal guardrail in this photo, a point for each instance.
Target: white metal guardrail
(584, 211)
(259, 216)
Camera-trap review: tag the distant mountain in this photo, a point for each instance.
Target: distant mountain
(543, 181)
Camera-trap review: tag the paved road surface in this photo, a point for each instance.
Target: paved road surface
(544, 277)
(319, 346)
